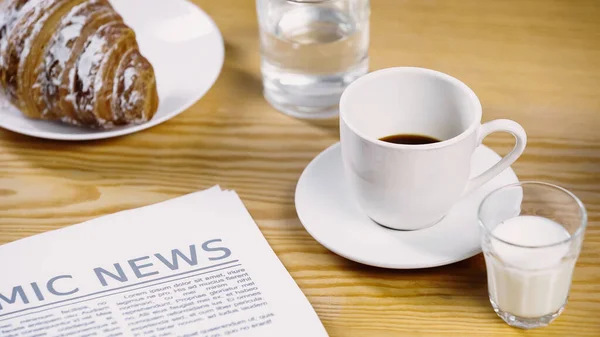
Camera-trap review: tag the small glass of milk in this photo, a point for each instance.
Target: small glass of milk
(531, 237)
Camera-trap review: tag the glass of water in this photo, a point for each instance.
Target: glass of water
(531, 238)
(311, 50)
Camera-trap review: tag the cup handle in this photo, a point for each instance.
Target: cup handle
(499, 125)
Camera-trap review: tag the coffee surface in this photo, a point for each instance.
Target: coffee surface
(410, 139)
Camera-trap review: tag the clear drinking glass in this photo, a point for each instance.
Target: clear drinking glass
(531, 237)
(311, 50)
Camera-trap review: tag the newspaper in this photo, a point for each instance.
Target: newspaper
(195, 266)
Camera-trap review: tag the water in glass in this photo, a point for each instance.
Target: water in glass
(311, 50)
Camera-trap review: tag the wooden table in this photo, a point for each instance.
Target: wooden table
(534, 61)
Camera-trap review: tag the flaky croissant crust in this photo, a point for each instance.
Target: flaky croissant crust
(74, 61)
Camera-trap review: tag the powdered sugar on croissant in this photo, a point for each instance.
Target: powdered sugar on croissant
(74, 61)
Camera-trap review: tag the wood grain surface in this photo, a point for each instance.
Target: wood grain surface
(534, 61)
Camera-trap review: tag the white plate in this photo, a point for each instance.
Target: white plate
(183, 44)
(330, 214)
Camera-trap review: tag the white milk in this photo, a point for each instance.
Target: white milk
(529, 282)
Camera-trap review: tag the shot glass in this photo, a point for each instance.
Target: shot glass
(532, 234)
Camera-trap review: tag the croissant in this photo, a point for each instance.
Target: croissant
(74, 61)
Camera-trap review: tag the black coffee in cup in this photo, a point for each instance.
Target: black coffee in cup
(408, 139)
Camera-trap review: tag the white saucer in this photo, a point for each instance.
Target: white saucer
(330, 214)
(183, 44)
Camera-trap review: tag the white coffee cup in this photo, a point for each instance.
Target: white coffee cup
(410, 187)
